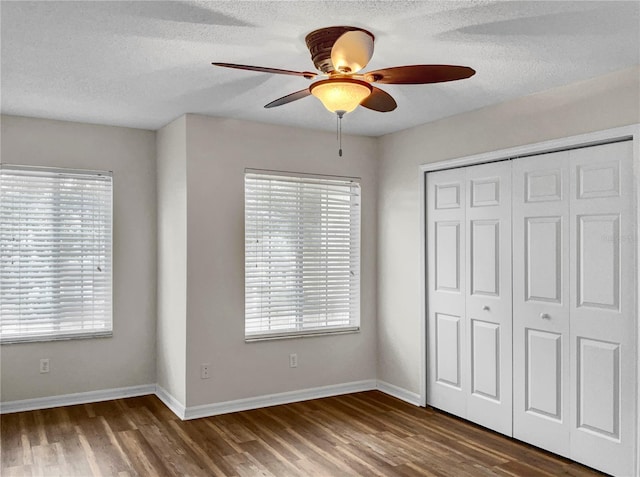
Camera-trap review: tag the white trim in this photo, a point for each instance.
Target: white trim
(422, 399)
(301, 334)
(57, 170)
(582, 140)
(171, 402)
(269, 172)
(206, 410)
(400, 393)
(267, 400)
(76, 398)
(636, 172)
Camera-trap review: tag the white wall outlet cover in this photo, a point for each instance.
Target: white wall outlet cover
(44, 365)
(205, 371)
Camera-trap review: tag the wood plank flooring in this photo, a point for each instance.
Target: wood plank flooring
(369, 434)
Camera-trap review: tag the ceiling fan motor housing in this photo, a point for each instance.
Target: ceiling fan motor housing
(320, 42)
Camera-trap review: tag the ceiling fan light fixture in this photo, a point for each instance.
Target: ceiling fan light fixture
(352, 51)
(341, 94)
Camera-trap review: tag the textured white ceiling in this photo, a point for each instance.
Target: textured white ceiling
(143, 64)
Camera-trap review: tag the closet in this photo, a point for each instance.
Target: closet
(531, 300)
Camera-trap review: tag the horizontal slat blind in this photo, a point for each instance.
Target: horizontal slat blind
(302, 255)
(55, 254)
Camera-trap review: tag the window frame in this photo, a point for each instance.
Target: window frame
(105, 332)
(354, 324)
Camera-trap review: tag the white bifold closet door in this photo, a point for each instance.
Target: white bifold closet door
(469, 324)
(554, 365)
(574, 305)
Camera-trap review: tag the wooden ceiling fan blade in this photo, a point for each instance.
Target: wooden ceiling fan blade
(261, 69)
(420, 74)
(352, 51)
(379, 100)
(303, 93)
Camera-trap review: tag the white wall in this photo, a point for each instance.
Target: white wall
(597, 104)
(218, 151)
(171, 149)
(127, 358)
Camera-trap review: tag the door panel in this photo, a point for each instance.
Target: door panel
(543, 378)
(485, 362)
(447, 196)
(542, 256)
(541, 301)
(485, 192)
(485, 257)
(598, 404)
(603, 309)
(447, 345)
(488, 301)
(598, 179)
(543, 185)
(447, 385)
(447, 243)
(598, 262)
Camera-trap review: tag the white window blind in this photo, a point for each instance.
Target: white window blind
(55, 254)
(302, 255)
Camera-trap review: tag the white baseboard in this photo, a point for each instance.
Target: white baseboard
(214, 409)
(171, 402)
(76, 398)
(246, 404)
(398, 392)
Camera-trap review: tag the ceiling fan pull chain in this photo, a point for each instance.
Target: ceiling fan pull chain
(339, 113)
(340, 142)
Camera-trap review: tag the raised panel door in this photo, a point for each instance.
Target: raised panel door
(488, 297)
(603, 309)
(541, 301)
(447, 384)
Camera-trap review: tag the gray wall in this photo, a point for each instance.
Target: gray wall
(128, 358)
(200, 242)
(601, 103)
(218, 151)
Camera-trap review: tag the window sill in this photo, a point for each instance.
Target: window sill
(41, 339)
(304, 334)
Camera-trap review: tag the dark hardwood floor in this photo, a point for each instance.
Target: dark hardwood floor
(365, 434)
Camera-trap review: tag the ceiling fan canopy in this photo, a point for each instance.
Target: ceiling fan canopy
(340, 53)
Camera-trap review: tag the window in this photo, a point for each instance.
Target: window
(302, 255)
(55, 254)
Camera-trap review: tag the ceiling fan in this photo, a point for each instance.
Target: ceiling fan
(340, 53)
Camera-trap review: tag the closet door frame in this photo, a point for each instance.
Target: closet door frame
(590, 139)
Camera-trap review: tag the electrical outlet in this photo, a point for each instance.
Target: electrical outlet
(204, 371)
(44, 365)
(293, 360)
